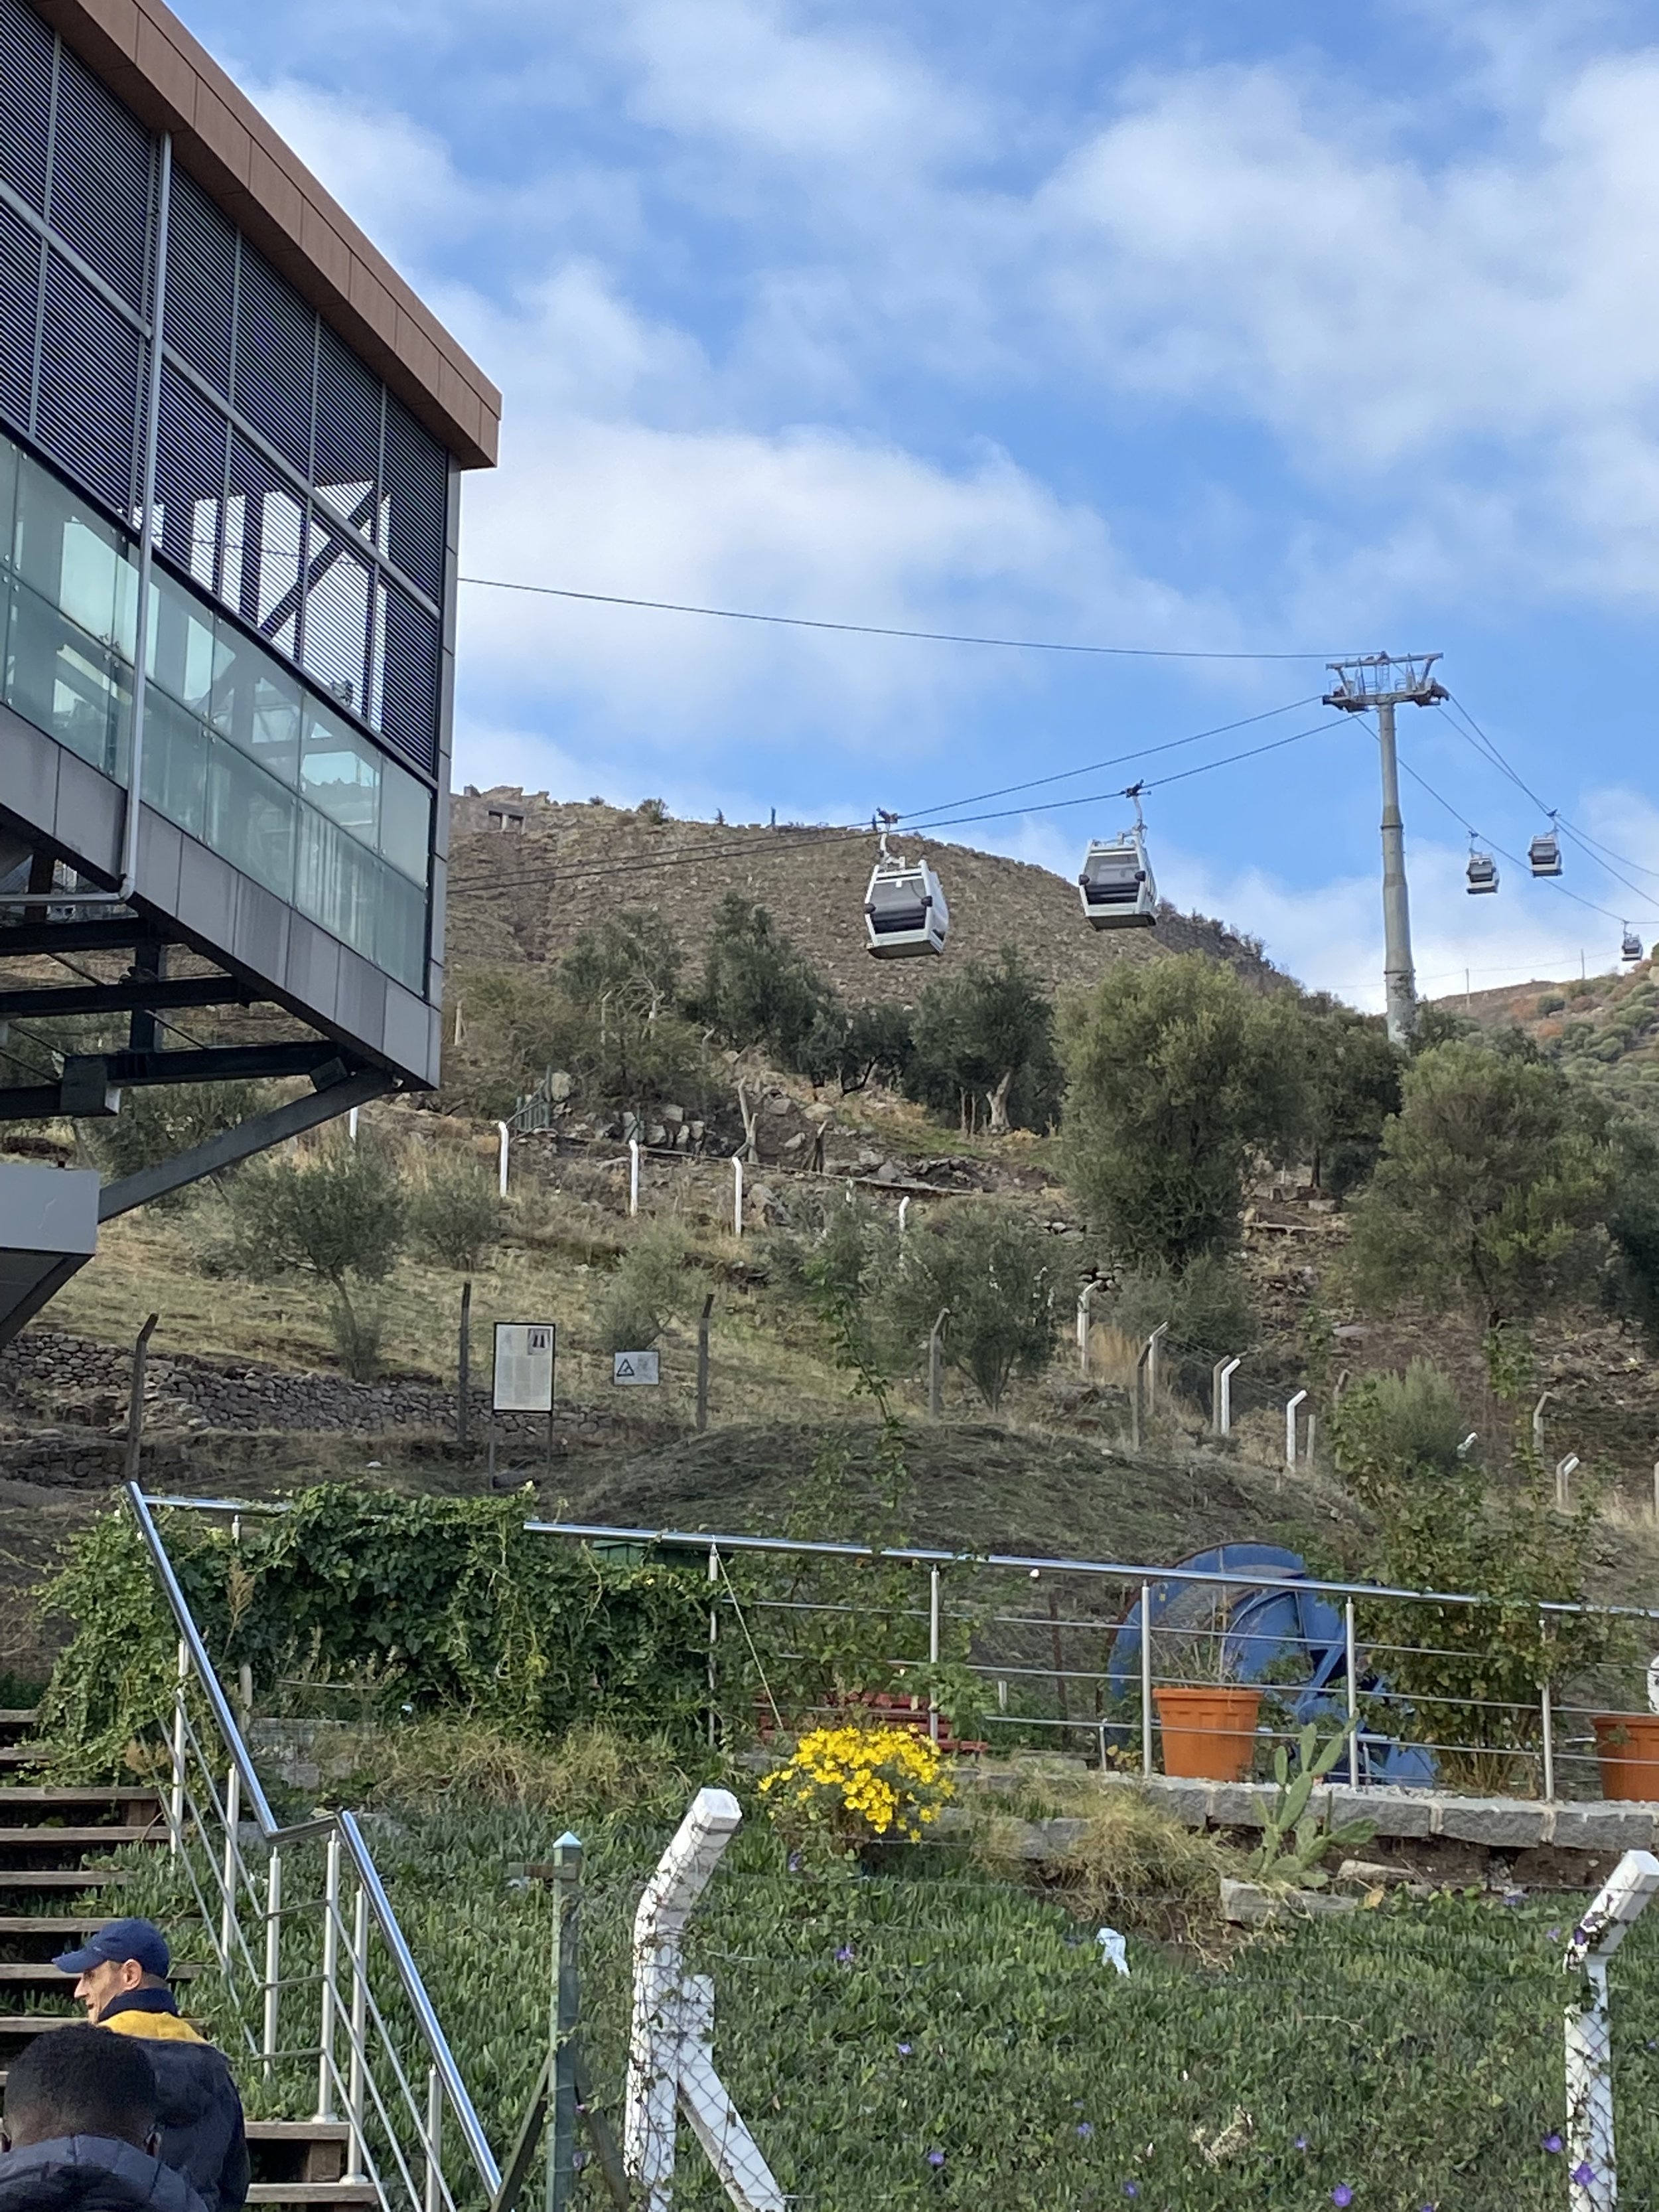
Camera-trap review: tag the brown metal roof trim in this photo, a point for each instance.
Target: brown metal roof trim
(144, 53)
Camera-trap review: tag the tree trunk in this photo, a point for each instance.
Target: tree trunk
(997, 1103)
(748, 1113)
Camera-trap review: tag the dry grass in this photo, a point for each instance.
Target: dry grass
(1132, 1865)
(592, 1772)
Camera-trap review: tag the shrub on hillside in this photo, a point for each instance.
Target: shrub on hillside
(991, 1270)
(757, 988)
(454, 1209)
(648, 1286)
(1352, 1085)
(1465, 1677)
(338, 1214)
(1207, 1307)
(157, 1124)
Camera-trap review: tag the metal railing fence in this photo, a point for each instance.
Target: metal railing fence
(1054, 1647)
(320, 1984)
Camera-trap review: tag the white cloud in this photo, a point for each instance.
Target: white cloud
(742, 72)
(1232, 236)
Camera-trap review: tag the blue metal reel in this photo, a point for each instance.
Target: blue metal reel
(1295, 1636)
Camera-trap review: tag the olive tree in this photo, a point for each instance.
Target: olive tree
(1178, 1070)
(338, 1214)
(1494, 1178)
(990, 1269)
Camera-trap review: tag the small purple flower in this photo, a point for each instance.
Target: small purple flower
(1132, 2189)
(1301, 2143)
(844, 1956)
(796, 1861)
(1086, 2129)
(904, 2050)
(1342, 2194)
(1552, 1935)
(936, 2159)
(1551, 2143)
(1582, 2175)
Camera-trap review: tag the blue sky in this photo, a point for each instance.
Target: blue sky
(1211, 327)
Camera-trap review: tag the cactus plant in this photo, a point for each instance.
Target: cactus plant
(1295, 1833)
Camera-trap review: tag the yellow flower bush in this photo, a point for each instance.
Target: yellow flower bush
(859, 1784)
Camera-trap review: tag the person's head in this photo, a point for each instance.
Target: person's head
(81, 2082)
(122, 1956)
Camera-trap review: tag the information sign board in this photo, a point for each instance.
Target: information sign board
(635, 1367)
(523, 1381)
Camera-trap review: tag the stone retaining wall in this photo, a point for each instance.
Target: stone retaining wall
(46, 1374)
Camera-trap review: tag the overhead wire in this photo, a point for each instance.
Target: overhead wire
(941, 815)
(1601, 856)
(880, 629)
(1459, 816)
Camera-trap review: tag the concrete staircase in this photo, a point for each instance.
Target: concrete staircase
(54, 1871)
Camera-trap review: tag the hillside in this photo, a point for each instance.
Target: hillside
(1603, 1027)
(525, 892)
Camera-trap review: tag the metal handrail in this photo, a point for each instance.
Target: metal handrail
(699, 1540)
(340, 1824)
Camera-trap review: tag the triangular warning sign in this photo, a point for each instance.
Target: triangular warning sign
(624, 1366)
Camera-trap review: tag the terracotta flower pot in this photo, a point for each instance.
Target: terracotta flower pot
(1627, 1746)
(1209, 1735)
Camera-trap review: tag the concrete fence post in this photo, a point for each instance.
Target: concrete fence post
(1592, 2170)
(1221, 1394)
(1290, 1405)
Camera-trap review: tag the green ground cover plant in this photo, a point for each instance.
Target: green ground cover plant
(942, 2037)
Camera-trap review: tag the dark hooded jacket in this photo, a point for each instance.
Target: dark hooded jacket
(201, 2113)
(91, 2173)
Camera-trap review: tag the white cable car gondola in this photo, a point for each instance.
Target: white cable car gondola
(905, 914)
(1483, 874)
(1544, 853)
(1630, 945)
(1116, 887)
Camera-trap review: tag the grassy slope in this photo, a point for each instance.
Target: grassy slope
(1414, 2051)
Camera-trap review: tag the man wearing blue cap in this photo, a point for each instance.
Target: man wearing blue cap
(121, 1979)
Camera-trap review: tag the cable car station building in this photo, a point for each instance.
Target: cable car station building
(231, 441)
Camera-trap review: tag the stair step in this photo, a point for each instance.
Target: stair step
(313, 2193)
(13, 1878)
(42, 1971)
(298, 2131)
(23, 1754)
(24, 1796)
(19, 1716)
(45, 1924)
(81, 1839)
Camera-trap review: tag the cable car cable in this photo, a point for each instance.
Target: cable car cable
(922, 819)
(878, 629)
(912, 825)
(1469, 827)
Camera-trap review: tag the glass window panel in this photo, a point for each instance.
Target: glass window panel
(180, 654)
(64, 682)
(8, 463)
(340, 773)
(176, 750)
(251, 819)
(67, 556)
(336, 881)
(405, 821)
(256, 704)
(400, 936)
